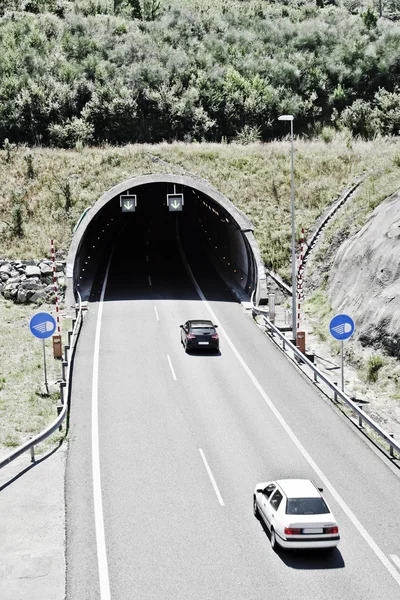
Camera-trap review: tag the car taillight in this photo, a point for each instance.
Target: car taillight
(215, 336)
(331, 529)
(292, 531)
(190, 336)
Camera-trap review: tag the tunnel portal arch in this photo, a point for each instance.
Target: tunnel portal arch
(229, 237)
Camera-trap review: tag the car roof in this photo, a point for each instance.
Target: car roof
(202, 323)
(298, 488)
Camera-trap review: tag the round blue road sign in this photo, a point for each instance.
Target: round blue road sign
(42, 325)
(341, 327)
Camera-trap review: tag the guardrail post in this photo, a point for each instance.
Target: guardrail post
(391, 447)
(62, 386)
(360, 420)
(64, 365)
(59, 409)
(66, 348)
(69, 337)
(315, 377)
(32, 454)
(283, 344)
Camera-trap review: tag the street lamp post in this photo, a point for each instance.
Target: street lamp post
(290, 118)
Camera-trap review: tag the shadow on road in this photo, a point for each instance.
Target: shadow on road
(15, 477)
(310, 560)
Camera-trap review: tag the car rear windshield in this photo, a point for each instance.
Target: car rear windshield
(199, 330)
(306, 506)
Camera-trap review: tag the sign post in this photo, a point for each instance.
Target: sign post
(43, 326)
(341, 328)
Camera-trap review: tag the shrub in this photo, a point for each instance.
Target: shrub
(375, 363)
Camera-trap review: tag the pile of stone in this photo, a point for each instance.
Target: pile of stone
(24, 281)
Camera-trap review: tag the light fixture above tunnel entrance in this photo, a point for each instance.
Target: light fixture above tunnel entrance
(223, 232)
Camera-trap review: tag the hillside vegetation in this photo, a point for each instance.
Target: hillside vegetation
(123, 71)
(43, 191)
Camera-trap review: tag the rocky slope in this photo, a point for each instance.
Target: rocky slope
(364, 280)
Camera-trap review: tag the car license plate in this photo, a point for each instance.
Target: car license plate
(203, 343)
(315, 530)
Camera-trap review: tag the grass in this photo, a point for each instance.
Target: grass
(54, 187)
(25, 408)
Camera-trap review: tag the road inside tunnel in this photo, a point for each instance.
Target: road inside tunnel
(148, 260)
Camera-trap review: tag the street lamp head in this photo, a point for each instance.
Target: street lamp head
(286, 118)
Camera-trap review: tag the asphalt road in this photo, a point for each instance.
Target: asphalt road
(170, 532)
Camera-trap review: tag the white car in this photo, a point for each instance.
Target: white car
(296, 514)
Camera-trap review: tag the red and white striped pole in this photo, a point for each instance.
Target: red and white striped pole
(55, 286)
(300, 279)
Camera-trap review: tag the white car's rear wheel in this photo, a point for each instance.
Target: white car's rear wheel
(274, 543)
(255, 508)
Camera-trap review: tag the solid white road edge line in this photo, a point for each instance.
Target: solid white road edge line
(361, 529)
(155, 308)
(171, 367)
(395, 559)
(98, 503)
(211, 476)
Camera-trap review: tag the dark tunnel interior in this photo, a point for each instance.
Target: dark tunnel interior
(210, 237)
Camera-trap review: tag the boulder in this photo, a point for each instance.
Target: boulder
(30, 285)
(45, 268)
(10, 292)
(32, 271)
(6, 268)
(21, 296)
(14, 279)
(31, 263)
(4, 276)
(36, 295)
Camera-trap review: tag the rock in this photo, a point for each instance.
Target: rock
(30, 285)
(32, 271)
(4, 276)
(13, 280)
(365, 278)
(6, 268)
(10, 292)
(32, 263)
(45, 269)
(21, 296)
(36, 295)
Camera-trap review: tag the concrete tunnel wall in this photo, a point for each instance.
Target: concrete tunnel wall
(97, 229)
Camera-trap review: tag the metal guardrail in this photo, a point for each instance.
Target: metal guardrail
(69, 352)
(362, 416)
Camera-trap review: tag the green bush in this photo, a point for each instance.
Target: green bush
(375, 363)
(93, 71)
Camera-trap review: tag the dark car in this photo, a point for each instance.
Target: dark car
(199, 335)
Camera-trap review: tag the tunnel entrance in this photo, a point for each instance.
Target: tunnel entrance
(141, 212)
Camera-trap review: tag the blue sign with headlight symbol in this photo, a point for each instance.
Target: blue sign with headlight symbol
(42, 325)
(341, 327)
